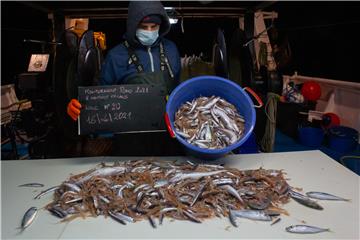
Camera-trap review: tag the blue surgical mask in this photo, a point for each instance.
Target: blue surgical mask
(147, 38)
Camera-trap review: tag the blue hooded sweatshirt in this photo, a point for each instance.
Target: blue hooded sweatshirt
(116, 67)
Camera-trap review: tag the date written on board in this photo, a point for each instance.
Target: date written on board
(97, 118)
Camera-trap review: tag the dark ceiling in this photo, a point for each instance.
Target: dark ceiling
(118, 9)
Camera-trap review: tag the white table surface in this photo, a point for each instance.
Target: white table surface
(310, 170)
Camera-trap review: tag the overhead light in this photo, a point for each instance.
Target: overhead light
(173, 20)
(172, 14)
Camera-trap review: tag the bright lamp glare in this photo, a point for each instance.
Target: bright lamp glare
(173, 20)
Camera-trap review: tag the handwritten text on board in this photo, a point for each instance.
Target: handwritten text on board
(121, 108)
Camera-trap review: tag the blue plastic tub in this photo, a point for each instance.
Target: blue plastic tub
(310, 136)
(208, 86)
(343, 139)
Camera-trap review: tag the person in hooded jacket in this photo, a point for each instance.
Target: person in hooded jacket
(144, 57)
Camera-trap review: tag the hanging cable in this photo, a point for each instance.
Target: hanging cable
(267, 142)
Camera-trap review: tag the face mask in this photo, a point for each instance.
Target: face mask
(147, 38)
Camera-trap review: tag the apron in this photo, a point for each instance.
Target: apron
(148, 143)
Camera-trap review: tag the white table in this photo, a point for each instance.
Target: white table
(310, 170)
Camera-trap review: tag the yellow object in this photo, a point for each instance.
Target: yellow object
(100, 39)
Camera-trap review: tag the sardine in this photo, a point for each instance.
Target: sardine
(233, 192)
(304, 200)
(28, 217)
(305, 229)
(325, 196)
(194, 175)
(252, 214)
(102, 172)
(32, 185)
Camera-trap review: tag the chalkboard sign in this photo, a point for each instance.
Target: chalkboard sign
(121, 108)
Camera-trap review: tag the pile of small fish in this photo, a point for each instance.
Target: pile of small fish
(134, 190)
(209, 122)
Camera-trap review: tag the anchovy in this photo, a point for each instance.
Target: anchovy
(28, 217)
(305, 229)
(252, 214)
(46, 192)
(31, 185)
(325, 196)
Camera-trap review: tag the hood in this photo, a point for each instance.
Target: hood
(140, 9)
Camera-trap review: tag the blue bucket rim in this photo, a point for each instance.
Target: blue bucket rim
(342, 131)
(213, 151)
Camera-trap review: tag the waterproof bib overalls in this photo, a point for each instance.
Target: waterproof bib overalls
(148, 143)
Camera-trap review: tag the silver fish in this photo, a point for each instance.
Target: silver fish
(160, 183)
(32, 185)
(122, 216)
(46, 192)
(152, 221)
(191, 217)
(252, 214)
(72, 186)
(305, 201)
(194, 175)
(325, 196)
(232, 218)
(233, 192)
(198, 194)
(102, 172)
(305, 229)
(117, 217)
(29, 217)
(58, 211)
(74, 200)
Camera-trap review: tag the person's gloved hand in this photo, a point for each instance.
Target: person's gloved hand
(73, 109)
